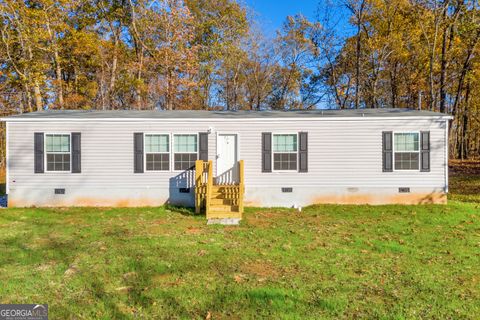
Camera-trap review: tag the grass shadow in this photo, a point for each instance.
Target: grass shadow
(96, 288)
(184, 211)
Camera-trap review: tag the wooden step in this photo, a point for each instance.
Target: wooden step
(224, 214)
(233, 188)
(220, 207)
(222, 196)
(221, 201)
(223, 208)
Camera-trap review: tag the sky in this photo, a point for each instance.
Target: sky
(270, 14)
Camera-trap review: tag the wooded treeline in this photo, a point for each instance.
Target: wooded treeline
(210, 54)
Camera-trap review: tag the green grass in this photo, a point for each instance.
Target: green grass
(465, 188)
(381, 262)
(389, 262)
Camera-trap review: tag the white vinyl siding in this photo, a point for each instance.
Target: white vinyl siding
(342, 154)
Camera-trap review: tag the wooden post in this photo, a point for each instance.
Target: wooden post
(209, 187)
(241, 186)
(198, 185)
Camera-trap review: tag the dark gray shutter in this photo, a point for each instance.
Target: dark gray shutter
(266, 152)
(387, 147)
(38, 152)
(138, 152)
(203, 146)
(303, 152)
(76, 152)
(425, 151)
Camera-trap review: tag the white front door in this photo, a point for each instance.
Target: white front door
(227, 159)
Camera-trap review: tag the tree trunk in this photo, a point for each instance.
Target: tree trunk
(113, 73)
(58, 67)
(168, 96)
(465, 135)
(28, 97)
(38, 96)
(431, 82)
(443, 70)
(359, 14)
(75, 79)
(465, 140)
(464, 71)
(58, 72)
(102, 87)
(138, 93)
(448, 32)
(393, 85)
(357, 66)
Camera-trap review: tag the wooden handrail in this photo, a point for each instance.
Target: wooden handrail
(241, 186)
(204, 187)
(209, 187)
(198, 185)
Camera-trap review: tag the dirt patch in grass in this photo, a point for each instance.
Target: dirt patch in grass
(193, 230)
(158, 222)
(261, 269)
(46, 266)
(264, 217)
(166, 280)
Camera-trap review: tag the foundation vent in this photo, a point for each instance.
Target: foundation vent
(287, 190)
(403, 190)
(184, 190)
(59, 191)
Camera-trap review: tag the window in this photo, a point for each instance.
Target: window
(407, 151)
(185, 151)
(157, 152)
(285, 152)
(57, 148)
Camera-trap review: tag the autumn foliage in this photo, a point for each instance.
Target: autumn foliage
(211, 54)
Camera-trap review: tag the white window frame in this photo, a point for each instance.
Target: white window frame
(169, 149)
(69, 134)
(273, 152)
(173, 147)
(395, 151)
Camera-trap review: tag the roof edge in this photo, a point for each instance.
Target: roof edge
(332, 118)
(240, 115)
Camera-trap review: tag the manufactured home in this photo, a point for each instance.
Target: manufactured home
(223, 160)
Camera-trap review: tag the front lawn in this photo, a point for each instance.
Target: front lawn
(390, 262)
(328, 261)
